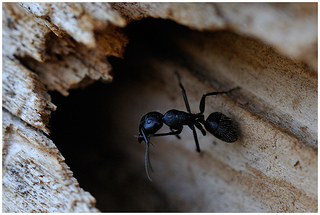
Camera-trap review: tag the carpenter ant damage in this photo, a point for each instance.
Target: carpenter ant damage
(217, 124)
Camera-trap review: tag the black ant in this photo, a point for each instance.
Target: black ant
(217, 124)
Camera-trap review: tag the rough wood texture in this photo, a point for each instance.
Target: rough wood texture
(24, 95)
(267, 170)
(22, 36)
(68, 64)
(289, 27)
(269, 50)
(79, 20)
(34, 175)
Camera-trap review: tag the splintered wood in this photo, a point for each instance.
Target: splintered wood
(24, 95)
(68, 64)
(35, 177)
(42, 50)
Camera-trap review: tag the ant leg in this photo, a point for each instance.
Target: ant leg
(177, 135)
(183, 93)
(199, 126)
(147, 157)
(177, 132)
(202, 102)
(195, 137)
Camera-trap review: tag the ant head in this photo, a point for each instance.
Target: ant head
(151, 122)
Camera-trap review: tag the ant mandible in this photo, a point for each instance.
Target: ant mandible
(217, 124)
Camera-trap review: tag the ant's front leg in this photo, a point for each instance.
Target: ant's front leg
(173, 132)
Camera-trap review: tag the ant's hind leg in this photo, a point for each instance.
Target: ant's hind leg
(202, 102)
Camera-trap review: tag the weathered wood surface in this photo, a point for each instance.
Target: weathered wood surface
(24, 95)
(290, 28)
(269, 50)
(35, 177)
(67, 64)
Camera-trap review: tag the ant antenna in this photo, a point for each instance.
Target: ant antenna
(147, 161)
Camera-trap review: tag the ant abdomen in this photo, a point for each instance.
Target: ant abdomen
(221, 127)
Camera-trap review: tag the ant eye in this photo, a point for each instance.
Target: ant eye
(149, 121)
